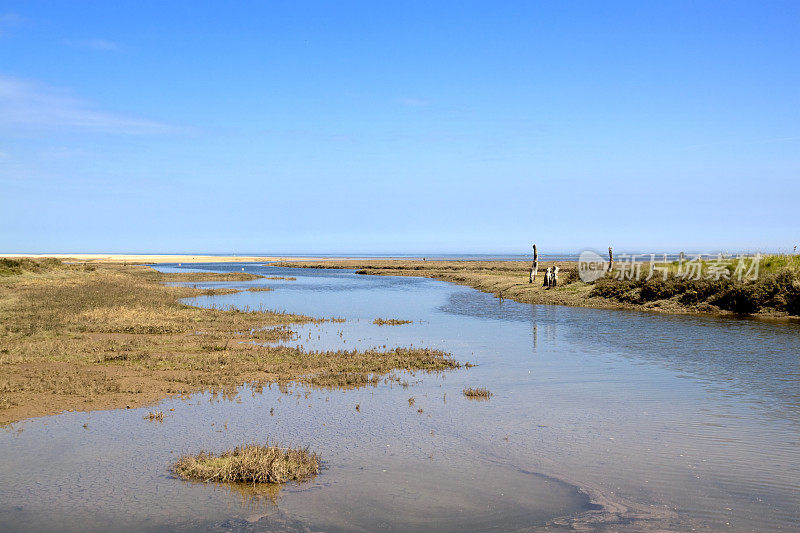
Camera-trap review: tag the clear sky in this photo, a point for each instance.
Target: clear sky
(291, 127)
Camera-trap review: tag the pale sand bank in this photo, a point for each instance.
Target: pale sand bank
(131, 258)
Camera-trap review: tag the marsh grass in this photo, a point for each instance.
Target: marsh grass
(285, 278)
(15, 267)
(197, 277)
(776, 290)
(477, 393)
(252, 464)
(390, 322)
(259, 289)
(117, 335)
(157, 416)
(218, 291)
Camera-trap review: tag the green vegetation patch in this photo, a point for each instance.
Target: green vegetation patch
(776, 289)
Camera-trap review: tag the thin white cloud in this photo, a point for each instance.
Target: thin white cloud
(32, 106)
(103, 45)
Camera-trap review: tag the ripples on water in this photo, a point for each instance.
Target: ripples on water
(668, 421)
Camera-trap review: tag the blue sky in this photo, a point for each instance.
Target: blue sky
(354, 127)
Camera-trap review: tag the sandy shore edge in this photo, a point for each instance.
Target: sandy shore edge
(151, 258)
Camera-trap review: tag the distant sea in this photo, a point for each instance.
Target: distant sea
(620, 255)
(570, 256)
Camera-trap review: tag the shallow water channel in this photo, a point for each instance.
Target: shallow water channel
(599, 419)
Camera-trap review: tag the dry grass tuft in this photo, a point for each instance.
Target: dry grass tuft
(390, 322)
(219, 292)
(251, 463)
(259, 289)
(158, 415)
(209, 276)
(477, 393)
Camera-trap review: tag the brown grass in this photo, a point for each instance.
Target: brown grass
(158, 416)
(390, 322)
(116, 336)
(197, 277)
(218, 291)
(285, 278)
(251, 463)
(477, 393)
(259, 289)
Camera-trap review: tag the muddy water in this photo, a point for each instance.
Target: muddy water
(599, 419)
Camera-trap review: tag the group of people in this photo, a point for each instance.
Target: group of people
(551, 277)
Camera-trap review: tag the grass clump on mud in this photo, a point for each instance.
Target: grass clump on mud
(353, 369)
(199, 277)
(477, 393)
(251, 463)
(157, 416)
(117, 335)
(390, 322)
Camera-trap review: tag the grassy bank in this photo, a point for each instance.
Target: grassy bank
(102, 336)
(776, 292)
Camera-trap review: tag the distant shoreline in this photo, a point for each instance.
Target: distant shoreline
(149, 258)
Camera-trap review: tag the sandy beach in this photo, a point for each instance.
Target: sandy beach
(148, 258)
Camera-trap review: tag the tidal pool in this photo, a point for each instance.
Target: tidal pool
(600, 419)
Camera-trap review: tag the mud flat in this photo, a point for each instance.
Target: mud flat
(86, 336)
